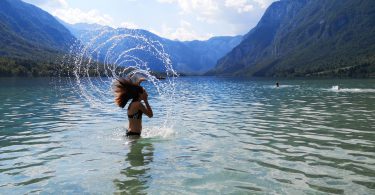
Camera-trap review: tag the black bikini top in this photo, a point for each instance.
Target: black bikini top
(137, 115)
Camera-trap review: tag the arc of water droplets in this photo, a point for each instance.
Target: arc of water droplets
(97, 90)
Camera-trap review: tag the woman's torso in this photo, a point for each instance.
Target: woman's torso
(135, 117)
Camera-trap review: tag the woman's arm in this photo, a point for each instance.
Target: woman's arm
(147, 110)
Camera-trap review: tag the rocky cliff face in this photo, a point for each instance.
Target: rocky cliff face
(307, 38)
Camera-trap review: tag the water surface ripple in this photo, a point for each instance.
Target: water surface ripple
(230, 136)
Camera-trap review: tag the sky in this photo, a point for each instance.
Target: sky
(173, 19)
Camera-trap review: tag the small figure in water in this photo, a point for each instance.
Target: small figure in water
(277, 84)
(125, 90)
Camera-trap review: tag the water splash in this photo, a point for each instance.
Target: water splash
(336, 88)
(104, 55)
(164, 132)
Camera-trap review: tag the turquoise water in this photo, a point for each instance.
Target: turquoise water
(229, 136)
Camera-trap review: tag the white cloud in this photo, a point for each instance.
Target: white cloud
(183, 33)
(235, 3)
(247, 8)
(240, 5)
(264, 3)
(62, 10)
(205, 10)
(166, 1)
(236, 16)
(75, 15)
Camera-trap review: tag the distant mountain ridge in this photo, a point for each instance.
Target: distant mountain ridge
(208, 52)
(307, 38)
(190, 57)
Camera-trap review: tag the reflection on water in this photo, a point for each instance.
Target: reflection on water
(136, 172)
(231, 136)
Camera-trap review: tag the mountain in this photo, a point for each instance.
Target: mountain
(30, 39)
(190, 57)
(307, 38)
(209, 51)
(26, 28)
(80, 29)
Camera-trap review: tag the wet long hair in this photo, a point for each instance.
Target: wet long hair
(125, 90)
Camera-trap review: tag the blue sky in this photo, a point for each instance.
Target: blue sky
(173, 19)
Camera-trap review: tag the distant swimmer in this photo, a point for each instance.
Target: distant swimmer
(126, 90)
(277, 84)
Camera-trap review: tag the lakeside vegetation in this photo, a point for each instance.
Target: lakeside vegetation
(14, 67)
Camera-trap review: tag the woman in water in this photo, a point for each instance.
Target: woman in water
(125, 90)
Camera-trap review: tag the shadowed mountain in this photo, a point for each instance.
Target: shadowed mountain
(307, 38)
(27, 31)
(31, 40)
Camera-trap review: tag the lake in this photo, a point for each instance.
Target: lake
(227, 135)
